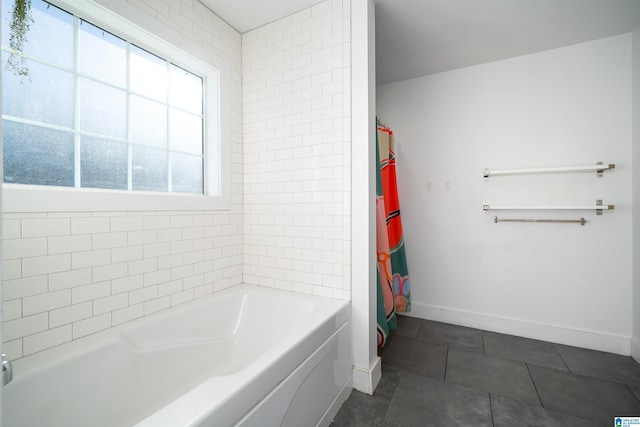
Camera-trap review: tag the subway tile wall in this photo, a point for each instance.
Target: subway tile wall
(68, 275)
(296, 145)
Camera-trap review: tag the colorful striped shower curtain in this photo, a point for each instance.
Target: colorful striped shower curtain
(393, 287)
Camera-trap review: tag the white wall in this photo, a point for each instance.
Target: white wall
(67, 275)
(560, 282)
(1, 234)
(635, 344)
(296, 89)
(366, 363)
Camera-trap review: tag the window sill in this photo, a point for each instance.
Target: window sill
(24, 198)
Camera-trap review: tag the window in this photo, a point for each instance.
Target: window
(109, 106)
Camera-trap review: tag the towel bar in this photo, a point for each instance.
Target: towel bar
(580, 221)
(599, 168)
(598, 207)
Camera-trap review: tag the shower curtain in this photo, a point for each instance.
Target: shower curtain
(393, 288)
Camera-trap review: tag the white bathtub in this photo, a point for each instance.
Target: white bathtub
(246, 356)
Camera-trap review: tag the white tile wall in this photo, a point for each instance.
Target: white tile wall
(67, 275)
(296, 89)
(108, 279)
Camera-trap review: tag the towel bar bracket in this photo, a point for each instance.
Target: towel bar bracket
(600, 172)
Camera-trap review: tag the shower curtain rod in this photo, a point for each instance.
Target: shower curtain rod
(379, 122)
(599, 167)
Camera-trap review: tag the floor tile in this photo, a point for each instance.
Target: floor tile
(585, 397)
(423, 401)
(408, 327)
(510, 413)
(491, 374)
(361, 410)
(528, 384)
(598, 364)
(526, 350)
(415, 356)
(388, 383)
(451, 335)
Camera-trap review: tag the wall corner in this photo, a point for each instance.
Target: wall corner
(363, 278)
(635, 189)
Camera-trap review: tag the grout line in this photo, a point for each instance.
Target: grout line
(631, 391)
(555, 347)
(534, 385)
(419, 328)
(491, 409)
(446, 364)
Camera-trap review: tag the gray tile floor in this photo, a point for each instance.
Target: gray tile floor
(437, 374)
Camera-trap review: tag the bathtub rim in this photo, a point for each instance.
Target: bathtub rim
(194, 406)
(334, 310)
(41, 360)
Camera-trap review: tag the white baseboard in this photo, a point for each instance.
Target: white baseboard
(557, 334)
(366, 380)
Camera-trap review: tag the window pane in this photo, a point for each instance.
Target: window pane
(186, 173)
(150, 170)
(103, 163)
(47, 20)
(185, 132)
(103, 109)
(148, 121)
(148, 74)
(36, 155)
(102, 55)
(185, 90)
(123, 117)
(24, 97)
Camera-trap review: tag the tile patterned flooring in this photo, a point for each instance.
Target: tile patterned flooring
(437, 374)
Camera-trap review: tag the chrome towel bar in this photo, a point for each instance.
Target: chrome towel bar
(599, 168)
(598, 207)
(580, 221)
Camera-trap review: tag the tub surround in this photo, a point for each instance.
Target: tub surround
(296, 143)
(69, 275)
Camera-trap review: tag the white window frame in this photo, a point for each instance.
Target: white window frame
(124, 20)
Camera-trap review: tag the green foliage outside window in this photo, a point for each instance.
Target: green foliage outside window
(19, 24)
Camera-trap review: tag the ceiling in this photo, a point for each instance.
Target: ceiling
(245, 15)
(421, 37)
